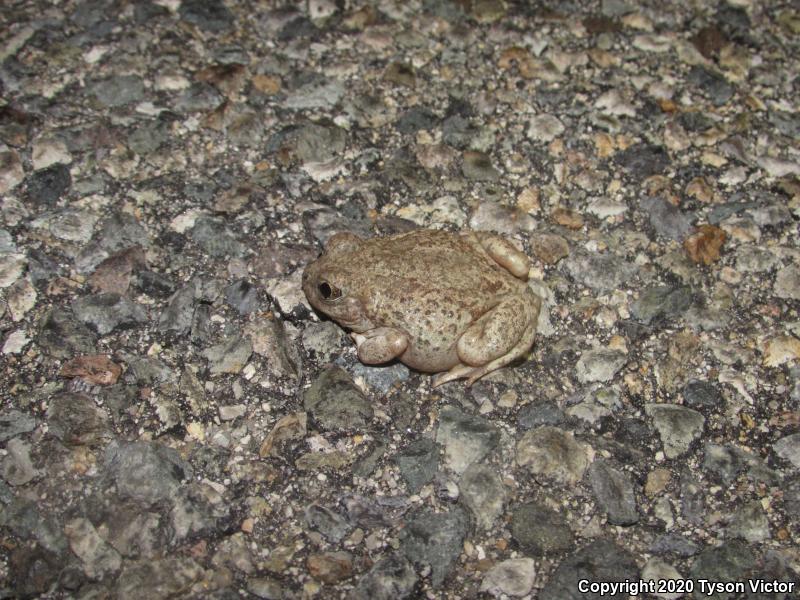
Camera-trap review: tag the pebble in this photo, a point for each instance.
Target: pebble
(666, 219)
(613, 490)
(512, 577)
(541, 412)
(95, 369)
(47, 186)
(541, 531)
(145, 472)
(599, 272)
(17, 468)
(229, 356)
(389, 578)
(603, 558)
(168, 575)
(61, 335)
(661, 303)
(643, 160)
(788, 448)
(787, 283)
(107, 312)
(730, 561)
(15, 342)
(466, 438)
(13, 423)
(702, 395)
(336, 403)
(215, 237)
(750, 523)
(212, 16)
(661, 571)
(11, 171)
(677, 426)
(545, 128)
(435, 539)
(478, 166)
(600, 364)
(76, 420)
(98, 558)
(118, 90)
(330, 567)
(418, 463)
(554, 453)
(483, 493)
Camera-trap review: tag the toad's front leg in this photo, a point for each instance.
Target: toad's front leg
(380, 345)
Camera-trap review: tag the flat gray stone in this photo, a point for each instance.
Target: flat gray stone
(677, 426)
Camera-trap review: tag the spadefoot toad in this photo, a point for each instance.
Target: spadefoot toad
(449, 303)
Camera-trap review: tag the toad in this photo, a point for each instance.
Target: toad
(455, 304)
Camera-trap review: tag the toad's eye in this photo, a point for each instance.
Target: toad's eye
(329, 292)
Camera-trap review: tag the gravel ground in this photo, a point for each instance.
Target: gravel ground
(177, 422)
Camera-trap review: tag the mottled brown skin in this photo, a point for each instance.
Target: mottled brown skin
(436, 301)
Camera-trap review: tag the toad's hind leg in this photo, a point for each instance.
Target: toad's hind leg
(472, 374)
(489, 343)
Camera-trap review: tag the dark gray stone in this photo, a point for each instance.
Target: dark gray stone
(667, 220)
(177, 316)
(63, 336)
(118, 90)
(390, 578)
(159, 578)
(477, 166)
(200, 97)
(107, 312)
(47, 186)
(674, 544)
(661, 303)
(145, 472)
(435, 539)
(14, 422)
(229, 356)
(600, 272)
(702, 395)
(791, 498)
(540, 530)
(148, 137)
(457, 131)
(466, 438)
(243, 296)
(677, 426)
(154, 284)
(336, 402)
(693, 498)
(208, 15)
(538, 413)
(731, 561)
(418, 463)
(714, 84)
(483, 493)
(602, 560)
(787, 123)
(214, 236)
(722, 463)
(416, 118)
(327, 522)
(121, 231)
(613, 490)
(643, 160)
(76, 420)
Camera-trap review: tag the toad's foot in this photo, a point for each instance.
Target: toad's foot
(380, 345)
